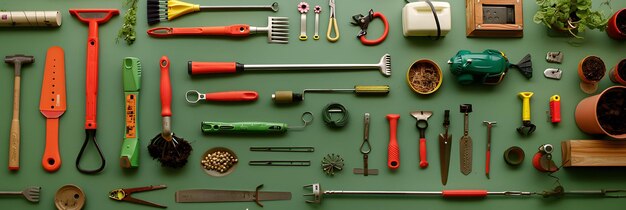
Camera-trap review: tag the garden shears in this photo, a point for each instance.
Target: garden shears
(125, 195)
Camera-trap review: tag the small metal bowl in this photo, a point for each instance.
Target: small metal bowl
(424, 76)
(217, 173)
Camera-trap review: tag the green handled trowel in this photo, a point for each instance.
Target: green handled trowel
(131, 73)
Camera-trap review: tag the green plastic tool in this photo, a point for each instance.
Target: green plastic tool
(253, 127)
(131, 70)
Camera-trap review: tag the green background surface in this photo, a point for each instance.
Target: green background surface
(498, 103)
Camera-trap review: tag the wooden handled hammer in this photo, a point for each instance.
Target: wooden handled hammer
(14, 140)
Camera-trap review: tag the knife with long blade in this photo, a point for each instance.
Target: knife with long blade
(445, 145)
(211, 196)
(52, 105)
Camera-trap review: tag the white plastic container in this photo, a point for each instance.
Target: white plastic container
(418, 19)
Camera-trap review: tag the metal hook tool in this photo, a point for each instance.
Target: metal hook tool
(365, 149)
(332, 23)
(90, 135)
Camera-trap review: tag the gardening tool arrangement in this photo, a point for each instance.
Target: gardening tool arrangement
(600, 114)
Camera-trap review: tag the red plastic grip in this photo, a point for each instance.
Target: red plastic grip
(488, 160)
(423, 160)
(51, 160)
(380, 39)
(555, 109)
(464, 193)
(536, 162)
(92, 77)
(393, 150)
(166, 87)
(232, 96)
(196, 68)
(232, 30)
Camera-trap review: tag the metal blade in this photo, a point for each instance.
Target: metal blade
(466, 154)
(445, 145)
(209, 196)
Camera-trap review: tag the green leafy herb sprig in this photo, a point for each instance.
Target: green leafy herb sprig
(570, 15)
(127, 32)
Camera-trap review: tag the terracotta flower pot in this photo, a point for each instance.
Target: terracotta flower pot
(588, 75)
(616, 27)
(618, 72)
(587, 114)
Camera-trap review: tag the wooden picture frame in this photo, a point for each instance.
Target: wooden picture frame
(511, 26)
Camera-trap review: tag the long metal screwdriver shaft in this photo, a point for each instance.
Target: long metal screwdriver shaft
(264, 67)
(445, 193)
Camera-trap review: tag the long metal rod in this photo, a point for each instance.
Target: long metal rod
(422, 193)
(264, 67)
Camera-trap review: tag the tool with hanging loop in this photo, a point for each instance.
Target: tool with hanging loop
(214, 196)
(52, 105)
(490, 125)
(363, 21)
(557, 192)
(317, 9)
(93, 17)
(277, 30)
(131, 75)
(445, 146)
(197, 68)
(166, 10)
(365, 149)
(422, 124)
(193, 96)
(527, 127)
(253, 127)
(285, 97)
(466, 141)
(126, 195)
(332, 23)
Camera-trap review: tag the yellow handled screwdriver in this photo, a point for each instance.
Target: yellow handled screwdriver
(284, 97)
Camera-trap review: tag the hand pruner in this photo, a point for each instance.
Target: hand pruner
(125, 195)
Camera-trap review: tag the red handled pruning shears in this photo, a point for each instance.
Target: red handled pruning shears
(364, 21)
(125, 195)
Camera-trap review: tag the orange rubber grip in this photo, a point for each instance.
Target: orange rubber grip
(166, 87)
(555, 109)
(393, 150)
(51, 160)
(423, 160)
(464, 193)
(487, 161)
(197, 68)
(232, 30)
(380, 39)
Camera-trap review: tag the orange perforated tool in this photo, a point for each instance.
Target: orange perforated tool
(52, 105)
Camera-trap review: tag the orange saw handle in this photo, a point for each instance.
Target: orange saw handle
(232, 30)
(51, 160)
(166, 87)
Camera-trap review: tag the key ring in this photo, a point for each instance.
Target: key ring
(364, 21)
(194, 94)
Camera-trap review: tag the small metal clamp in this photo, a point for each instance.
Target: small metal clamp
(553, 73)
(364, 21)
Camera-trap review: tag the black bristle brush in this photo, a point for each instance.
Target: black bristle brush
(167, 148)
(157, 11)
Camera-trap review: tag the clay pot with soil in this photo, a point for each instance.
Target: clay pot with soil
(618, 73)
(424, 76)
(616, 27)
(591, 70)
(604, 113)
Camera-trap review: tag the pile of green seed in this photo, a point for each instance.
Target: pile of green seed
(219, 161)
(127, 32)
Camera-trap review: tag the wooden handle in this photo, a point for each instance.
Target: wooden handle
(51, 160)
(14, 139)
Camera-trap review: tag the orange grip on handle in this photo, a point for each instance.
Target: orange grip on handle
(555, 109)
(232, 30)
(92, 76)
(232, 96)
(51, 160)
(196, 68)
(166, 87)
(464, 193)
(423, 160)
(393, 150)
(380, 39)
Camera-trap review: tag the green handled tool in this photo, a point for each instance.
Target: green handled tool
(253, 127)
(131, 73)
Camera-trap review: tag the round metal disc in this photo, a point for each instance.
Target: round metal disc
(69, 197)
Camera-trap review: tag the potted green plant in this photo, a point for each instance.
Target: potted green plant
(573, 16)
